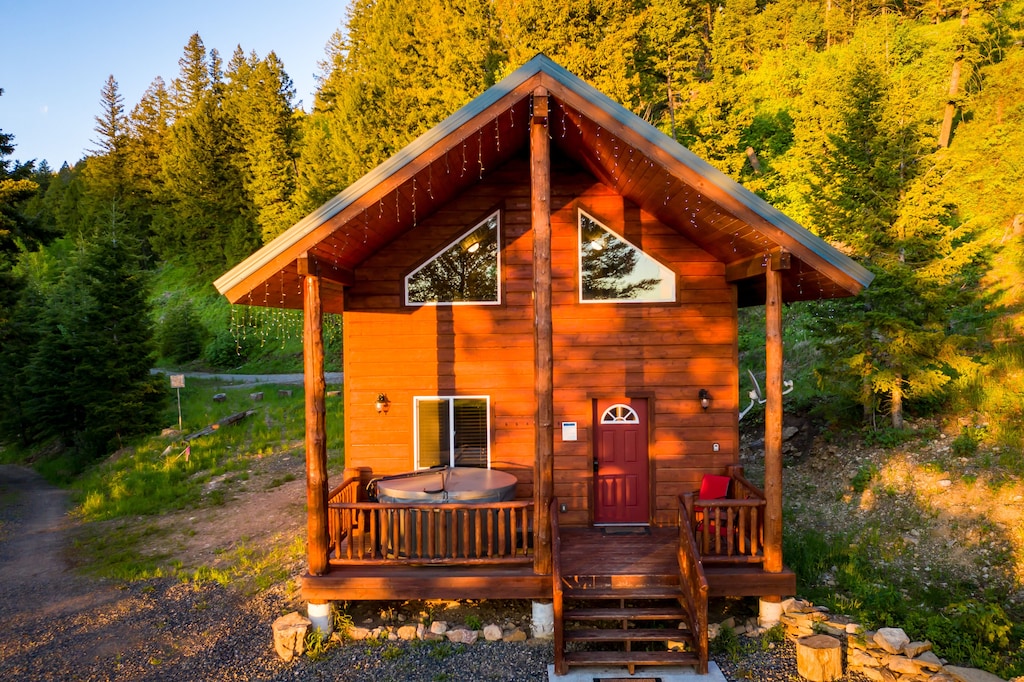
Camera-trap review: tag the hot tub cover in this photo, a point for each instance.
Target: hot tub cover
(455, 484)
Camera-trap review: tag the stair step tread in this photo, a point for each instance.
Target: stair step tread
(631, 658)
(649, 592)
(630, 635)
(612, 613)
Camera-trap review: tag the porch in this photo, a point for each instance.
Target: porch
(448, 551)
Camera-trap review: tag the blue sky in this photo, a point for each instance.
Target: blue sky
(55, 56)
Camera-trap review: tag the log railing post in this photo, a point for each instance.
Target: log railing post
(544, 437)
(316, 431)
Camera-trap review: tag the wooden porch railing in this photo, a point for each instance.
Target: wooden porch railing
(694, 588)
(557, 605)
(728, 530)
(394, 534)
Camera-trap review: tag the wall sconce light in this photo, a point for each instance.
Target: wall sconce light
(705, 399)
(383, 404)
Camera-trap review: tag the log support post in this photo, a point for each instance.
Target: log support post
(544, 436)
(316, 430)
(773, 423)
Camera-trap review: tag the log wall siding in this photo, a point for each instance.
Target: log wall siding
(664, 352)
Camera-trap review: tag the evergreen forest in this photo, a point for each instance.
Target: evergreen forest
(892, 128)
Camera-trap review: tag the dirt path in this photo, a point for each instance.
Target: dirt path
(59, 624)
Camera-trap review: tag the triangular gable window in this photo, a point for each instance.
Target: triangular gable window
(612, 269)
(466, 271)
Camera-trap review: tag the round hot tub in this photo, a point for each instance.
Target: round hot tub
(467, 485)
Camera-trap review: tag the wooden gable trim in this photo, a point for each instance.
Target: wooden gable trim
(365, 194)
(683, 164)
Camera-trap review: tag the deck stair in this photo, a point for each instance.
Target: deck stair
(626, 609)
(625, 624)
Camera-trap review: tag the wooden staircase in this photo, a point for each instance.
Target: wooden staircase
(624, 607)
(625, 626)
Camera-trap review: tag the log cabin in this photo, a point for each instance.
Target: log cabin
(540, 327)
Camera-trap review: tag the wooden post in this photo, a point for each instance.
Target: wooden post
(773, 422)
(316, 430)
(544, 433)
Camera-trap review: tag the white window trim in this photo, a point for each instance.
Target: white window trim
(630, 417)
(451, 420)
(497, 216)
(579, 266)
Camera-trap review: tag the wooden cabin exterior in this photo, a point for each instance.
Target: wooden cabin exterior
(488, 320)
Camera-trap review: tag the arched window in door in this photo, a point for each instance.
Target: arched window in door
(620, 414)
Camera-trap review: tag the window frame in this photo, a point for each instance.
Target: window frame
(580, 214)
(452, 431)
(496, 215)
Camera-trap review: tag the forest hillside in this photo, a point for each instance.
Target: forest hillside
(893, 129)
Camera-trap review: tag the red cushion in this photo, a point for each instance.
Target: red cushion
(714, 487)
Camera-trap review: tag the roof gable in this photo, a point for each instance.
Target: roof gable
(644, 165)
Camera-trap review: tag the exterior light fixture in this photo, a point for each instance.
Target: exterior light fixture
(704, 397)
(473, 248)
(383, 404)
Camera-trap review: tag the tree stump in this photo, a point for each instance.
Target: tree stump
(819, 658)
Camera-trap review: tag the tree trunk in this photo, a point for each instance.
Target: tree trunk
(954, 88)
(896, 408)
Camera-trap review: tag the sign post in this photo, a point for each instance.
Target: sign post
(178, 383)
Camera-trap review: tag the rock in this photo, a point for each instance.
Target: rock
(676, 645)
(290, 635)
(421, 630)
(284, 393)
(945, 483)
(789, 432)
(407, 633)
(714, 629)
(861, 659)
(891, 639)
(854, 629)
(462, 636)
(439, 627)
(258, 395)
(517, 635)
(929, 661)
(970, 674)
(358, 633)
(917, 648)
(220, 397)
(492, 633)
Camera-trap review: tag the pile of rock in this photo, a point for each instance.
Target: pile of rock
(436, 631)
(290, 634)
(883, 655)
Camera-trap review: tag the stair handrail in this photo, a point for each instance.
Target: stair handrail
(694, 587)
(561, 668)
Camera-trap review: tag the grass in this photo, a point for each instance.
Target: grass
(120, 498)
(967, 623)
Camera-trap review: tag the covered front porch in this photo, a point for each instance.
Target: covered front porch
(386, 550)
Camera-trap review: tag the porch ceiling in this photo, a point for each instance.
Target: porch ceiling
(618, 148)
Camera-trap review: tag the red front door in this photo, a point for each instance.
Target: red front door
(621, 472)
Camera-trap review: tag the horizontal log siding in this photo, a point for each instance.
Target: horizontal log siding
(665, 351)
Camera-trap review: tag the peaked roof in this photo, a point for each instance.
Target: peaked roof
(620, 149)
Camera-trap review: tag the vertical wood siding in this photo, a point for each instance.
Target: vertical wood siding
(663, 352)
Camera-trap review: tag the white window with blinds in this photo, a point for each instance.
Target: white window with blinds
(452, 430)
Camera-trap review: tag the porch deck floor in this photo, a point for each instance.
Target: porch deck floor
(649, 554)
(646, 557)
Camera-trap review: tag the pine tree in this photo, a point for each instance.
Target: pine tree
(894, 341)
(258, 98)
